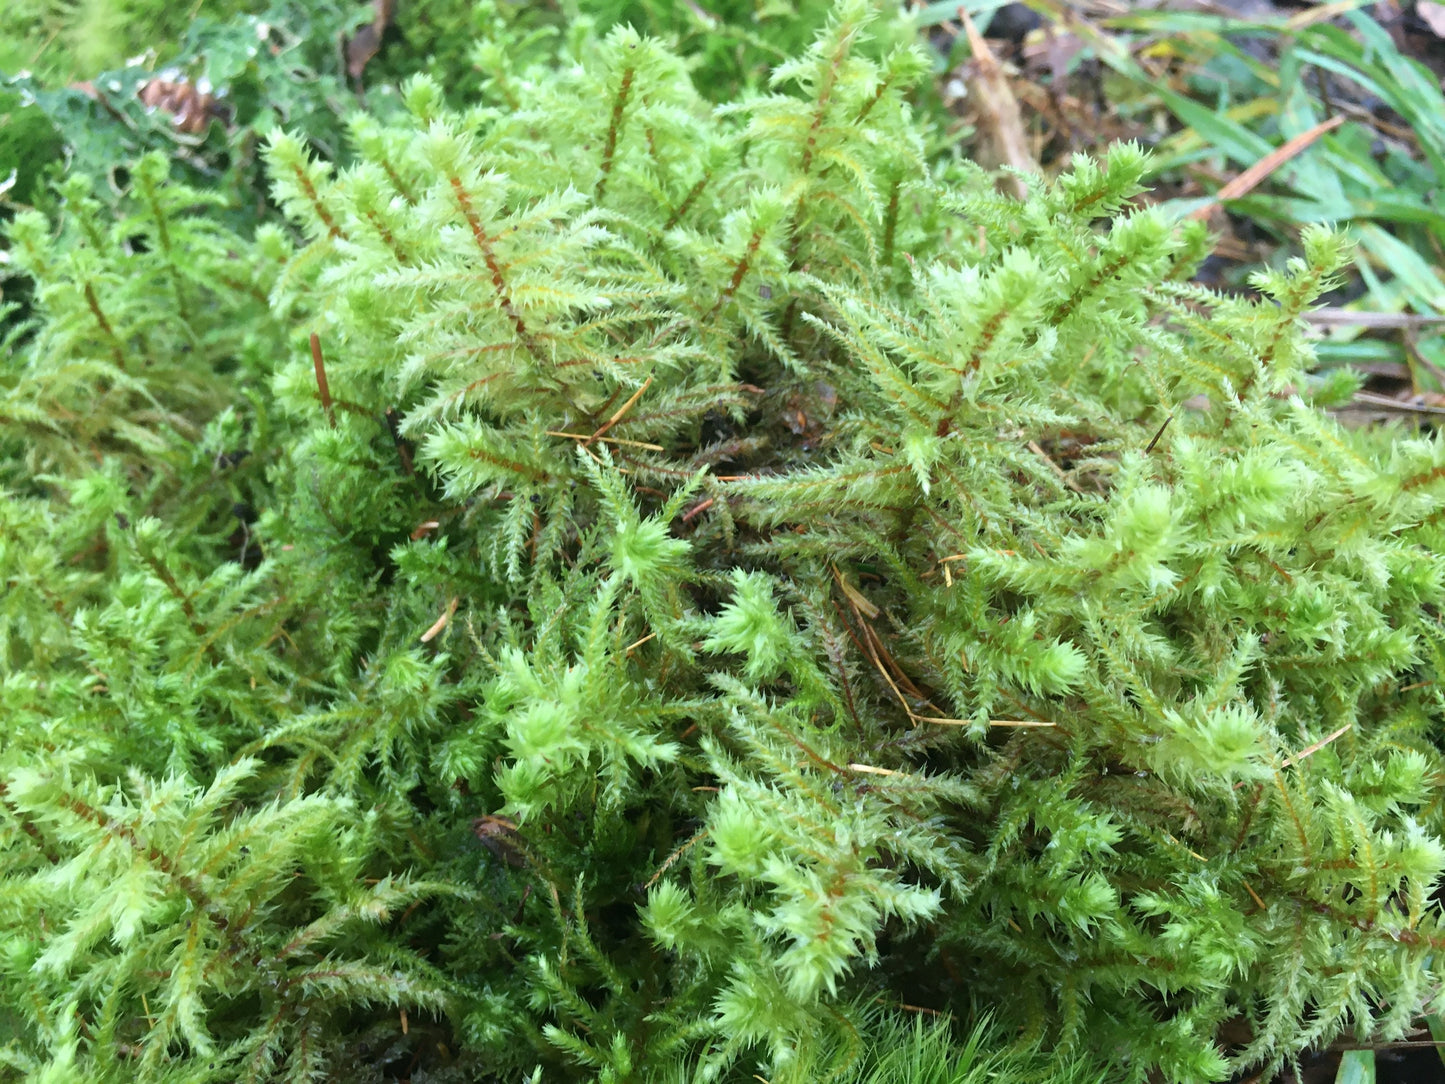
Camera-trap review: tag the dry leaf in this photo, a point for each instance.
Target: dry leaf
(192, 107)
(1432, 15)
(500, 836)
(367, 43)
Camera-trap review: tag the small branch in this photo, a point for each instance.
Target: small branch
(441, 622)
(856, 598)
(630, 648)
(698, 509)
(1150, 447)
(1035, 447)
(623, 409)
(1002, 139)
(1247, 181)
(1315, 748)
(606, 440)
(919, 1009)
(1384, 402)
(1337, 317)
(1254, 896)
(1035, 723)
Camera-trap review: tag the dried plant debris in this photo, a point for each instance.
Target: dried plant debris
(192, 105)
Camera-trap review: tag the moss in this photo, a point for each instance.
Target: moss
(633, 582)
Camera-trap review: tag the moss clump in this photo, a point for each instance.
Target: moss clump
(712, 568)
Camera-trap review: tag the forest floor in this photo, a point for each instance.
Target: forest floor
(1263, 117)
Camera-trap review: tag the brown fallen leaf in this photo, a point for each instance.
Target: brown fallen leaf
(994, 112)
(192, 107)
(1432, 15)
(500, 836)
(367, 42)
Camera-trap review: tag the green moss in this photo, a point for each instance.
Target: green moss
(737, 569)
(69, 40)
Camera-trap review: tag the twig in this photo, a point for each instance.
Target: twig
(1002, 138)
(1159, 434)
(1251, 177)
(881, 1000)
(855, 598)
(868, 645)
(1315, 748)
(1063, 477)
(1317, 13)
(441, 622)
(698, 509)
(637, 643)
(606, 440)
(1386, 403)
(919, 1008)
(991, 722)
(872, 645)
(623, 409)
(1335, 317)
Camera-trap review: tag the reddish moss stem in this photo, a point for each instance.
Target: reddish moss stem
(687, 202)
(614, 129)
(321, 385)
(316, 205)
(739, 273)
(105, 326)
